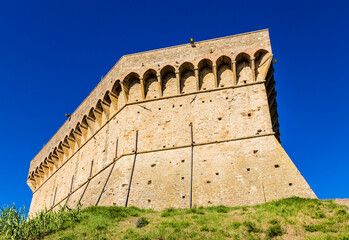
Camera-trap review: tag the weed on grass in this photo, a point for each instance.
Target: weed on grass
(141, 222)
(274, 231)
(251, 227)
(234, 225)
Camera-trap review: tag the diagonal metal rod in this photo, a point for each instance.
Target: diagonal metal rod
(133, 167)
(111, 170)
(88, 182)
(191, 165)
(54, 198)
(265, 200)
(71, 189)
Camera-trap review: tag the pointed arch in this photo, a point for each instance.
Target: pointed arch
(224, 72)
(134, 87)
(151, 84)
(187, 78)
(206, 77)
(169, 82)
(244, 72)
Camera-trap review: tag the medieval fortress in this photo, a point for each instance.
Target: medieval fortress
(194, 124)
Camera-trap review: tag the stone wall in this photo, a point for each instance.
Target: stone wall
(234, 155)
(158, 60)
(139, 122)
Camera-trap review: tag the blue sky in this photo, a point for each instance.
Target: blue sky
(53, 53)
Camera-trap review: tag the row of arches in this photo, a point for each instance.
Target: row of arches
(168, 81)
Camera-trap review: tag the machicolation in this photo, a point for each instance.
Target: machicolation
(194, 124)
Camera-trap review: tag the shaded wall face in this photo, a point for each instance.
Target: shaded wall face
(188, 82)
(225, 76)
(206, 79)
(151, 88)
(244, 72)
(169, 84)
(228, 126)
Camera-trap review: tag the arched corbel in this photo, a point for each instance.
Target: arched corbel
(41, 174)
(114, 100)
(31, 182)
(106, 108)
(106, 105)
(65, 149)
(51, 164)
(46, 168)
(66, 146)
(91, 120)
(85, 128)
(38, 178)
(98, 111)
(263, 60)
(54, 157)
(78, 134)
(60, 153)
(125, 89)
(72, 140)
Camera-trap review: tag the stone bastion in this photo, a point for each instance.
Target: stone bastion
(194, 124)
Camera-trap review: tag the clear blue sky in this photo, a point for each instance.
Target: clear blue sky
(53, 53)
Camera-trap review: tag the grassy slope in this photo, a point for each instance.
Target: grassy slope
(292, 218)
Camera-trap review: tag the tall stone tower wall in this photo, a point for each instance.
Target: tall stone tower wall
(194, 124)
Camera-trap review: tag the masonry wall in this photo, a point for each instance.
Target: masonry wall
(237, 159)
(157, 60)
(132, 139)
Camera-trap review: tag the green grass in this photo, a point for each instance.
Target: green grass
(283, 219)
